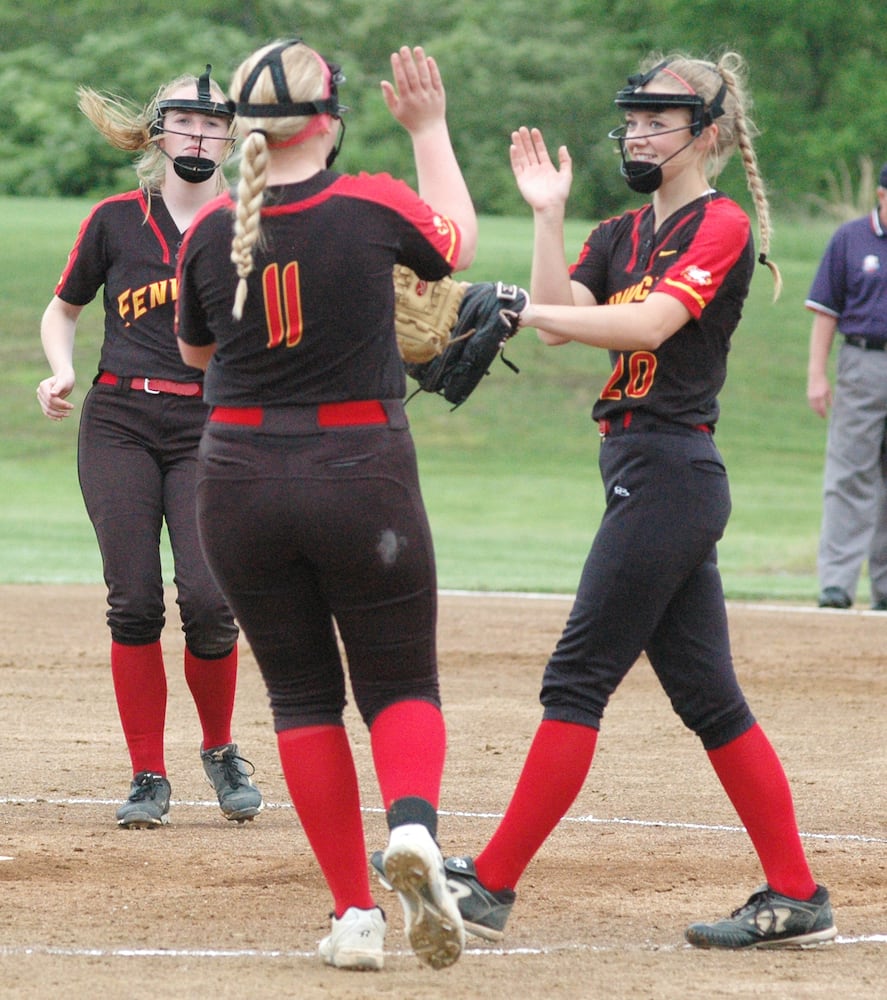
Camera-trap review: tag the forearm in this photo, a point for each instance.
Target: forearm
(442, 185)
(57, 332)
(550, 282)
(628, 327)
(819, 390)
(822, 335)
(57, 329)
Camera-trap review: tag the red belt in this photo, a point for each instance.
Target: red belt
(645, 423)
(154, 386)
(353, 413)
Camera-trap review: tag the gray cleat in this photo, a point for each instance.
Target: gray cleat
(148, 803)
(230, 775)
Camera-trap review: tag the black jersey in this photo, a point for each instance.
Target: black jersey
(318, 323)
(134, 257)
(703, 255)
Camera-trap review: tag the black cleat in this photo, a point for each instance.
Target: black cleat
(770, 920)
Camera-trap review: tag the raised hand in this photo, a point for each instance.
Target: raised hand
(542, 184)
(417, 98)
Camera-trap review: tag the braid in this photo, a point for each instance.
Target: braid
(743, 136)
(250, 191)
(735, 130)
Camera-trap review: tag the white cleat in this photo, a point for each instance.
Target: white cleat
(414, 867)
(356, 940)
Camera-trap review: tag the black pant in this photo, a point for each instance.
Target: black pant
(137, 462)
(307, 532)
(651, 584)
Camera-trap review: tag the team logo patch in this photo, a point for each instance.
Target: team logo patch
(870, 263)
(696, 275)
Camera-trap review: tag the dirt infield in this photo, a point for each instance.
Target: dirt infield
(204, 908)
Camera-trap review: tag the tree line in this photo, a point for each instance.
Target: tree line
(816, 76)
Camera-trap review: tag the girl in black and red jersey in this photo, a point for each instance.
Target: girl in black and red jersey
(139, 433)
(309, 504)
(661, 288)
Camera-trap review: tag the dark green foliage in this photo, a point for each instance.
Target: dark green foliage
(816, 77)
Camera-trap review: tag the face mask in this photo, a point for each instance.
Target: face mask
(193, 169)
(641, 176)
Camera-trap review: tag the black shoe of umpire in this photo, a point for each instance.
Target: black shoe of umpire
(834, 597)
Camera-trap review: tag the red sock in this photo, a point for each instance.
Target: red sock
(212, 684)
(755, 782)
(322, 782)
(554, 772)
(409, 743)
(140, 688)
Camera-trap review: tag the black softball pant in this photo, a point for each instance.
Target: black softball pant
(311, 532)
(651, 584)
(137, 462)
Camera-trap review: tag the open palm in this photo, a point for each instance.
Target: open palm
(541, 183)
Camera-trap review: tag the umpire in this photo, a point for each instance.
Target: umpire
(849, 296)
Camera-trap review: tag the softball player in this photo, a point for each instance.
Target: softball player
(139, 432)
(661, 288)
(309, 504)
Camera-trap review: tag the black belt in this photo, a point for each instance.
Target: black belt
(867, 344)
(351, 413)
(286, 420)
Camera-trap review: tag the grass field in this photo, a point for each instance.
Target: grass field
(510, 478)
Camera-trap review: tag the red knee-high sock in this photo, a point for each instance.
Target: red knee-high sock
(212, 684)
(322, 782)
(140, 688)
(409, 743)
(553, 774)
(755, 782)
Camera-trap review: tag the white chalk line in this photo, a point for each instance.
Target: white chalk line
(270, 954)
(804, 609)
(10, 951)
(852, 838)
(48, 950)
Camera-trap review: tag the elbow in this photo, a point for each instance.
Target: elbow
(551, 339)
(467, 251)
(653, 339)
(661, 316)
(192, 356)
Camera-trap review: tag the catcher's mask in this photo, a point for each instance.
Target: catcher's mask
(194, 169)
(286, 107)
(643, 177)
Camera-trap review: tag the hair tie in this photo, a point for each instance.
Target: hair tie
(762, 258)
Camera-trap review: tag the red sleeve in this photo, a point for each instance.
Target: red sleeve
(432, 227)
(718, 243)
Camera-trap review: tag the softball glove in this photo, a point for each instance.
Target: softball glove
(487, 318)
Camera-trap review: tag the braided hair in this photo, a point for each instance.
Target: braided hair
(306, 81)
(735, 130)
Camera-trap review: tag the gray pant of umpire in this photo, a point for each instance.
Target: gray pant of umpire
(854, 512)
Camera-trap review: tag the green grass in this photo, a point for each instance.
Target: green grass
(510, 478)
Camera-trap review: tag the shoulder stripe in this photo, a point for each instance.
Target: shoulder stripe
(136, 195)
(387, 191)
